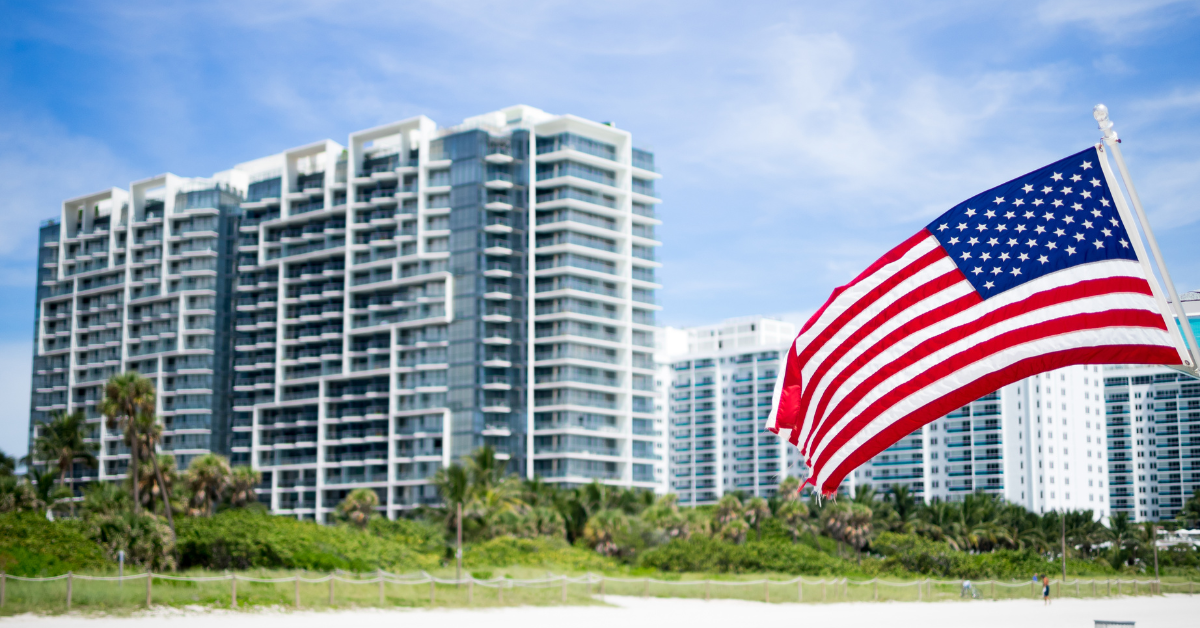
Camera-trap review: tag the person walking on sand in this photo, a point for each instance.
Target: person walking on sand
(1045, 590)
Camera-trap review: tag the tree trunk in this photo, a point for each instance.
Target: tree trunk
(166, 494)
(758, 529)
(131, 436)
(62, 481)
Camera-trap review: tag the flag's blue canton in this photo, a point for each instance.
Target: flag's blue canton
(1057, 217)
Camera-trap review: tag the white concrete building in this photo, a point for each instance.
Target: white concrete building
(720, 396)
(139, 279)
(389, 306)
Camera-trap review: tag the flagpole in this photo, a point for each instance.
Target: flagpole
(1100, 113)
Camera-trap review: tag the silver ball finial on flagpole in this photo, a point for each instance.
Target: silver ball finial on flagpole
(1100, 113)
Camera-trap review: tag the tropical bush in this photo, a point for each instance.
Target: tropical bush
(535, 552)
(240, 539)
(32, 546)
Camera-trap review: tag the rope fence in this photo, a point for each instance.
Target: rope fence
(18, 593)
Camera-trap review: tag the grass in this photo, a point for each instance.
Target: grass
(111, 597)
(92, 596)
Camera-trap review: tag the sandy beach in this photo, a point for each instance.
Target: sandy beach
(1169, 611)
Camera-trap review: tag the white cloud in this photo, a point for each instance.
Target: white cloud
(1115, 18)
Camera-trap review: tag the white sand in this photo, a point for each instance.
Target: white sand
(623, 612)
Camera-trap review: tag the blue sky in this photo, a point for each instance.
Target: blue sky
(799, 140)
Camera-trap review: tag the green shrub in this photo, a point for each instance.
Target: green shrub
(242, 539)
(700, 554)
(507, 551)
(914, 554)
(32, 546)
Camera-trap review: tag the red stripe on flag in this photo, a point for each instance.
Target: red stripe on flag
(1139, 354)
(1016, 337)
(1080, 290)
(869, 298)
(920, 323)
(910, 299)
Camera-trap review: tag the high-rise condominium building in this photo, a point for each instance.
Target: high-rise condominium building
(721, 391)
(139, 280)
(364, 315)
(1038, 442)
(1154, 440)
(1154, 435)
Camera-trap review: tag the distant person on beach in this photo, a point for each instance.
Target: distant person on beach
(1045, 591)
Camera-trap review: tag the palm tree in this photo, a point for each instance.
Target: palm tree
(794, 516)
(208, 477)
(358, 507)
(904, 505)
(8, 465)
(61, 441)
(604, 531)
(105, 498)
(789, 488)
(150, 430)
(484, 468)
(665, 515)
(1124, 535)
(757, 509)
(18, 494)
(48, 492)
(454, 485)
(241, 486)
(1189, 515)
(126, 396)
(849, 522)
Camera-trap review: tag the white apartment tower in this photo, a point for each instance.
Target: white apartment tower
(1154, 434)
(389, 306)
(139, 279)
(721, 391)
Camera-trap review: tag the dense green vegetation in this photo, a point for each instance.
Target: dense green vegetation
(246, 538)
(207, 517)
(32, 546)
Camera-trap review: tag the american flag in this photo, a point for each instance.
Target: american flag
(1033, 275)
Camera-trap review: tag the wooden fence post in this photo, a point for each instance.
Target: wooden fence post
(470, 590)
(706, 590)
(432, 597)
(4, 588)
(875, 589)
(297, 590)
(767, 591)
(920, 586)
(564, 589)
(233, 590)
(1077, 587)
(846, 589)
(799, 590)
(993, 589)
(331, 589)
(1093, 587)
(601, 586)
(646, 588)
(149, 579)
(823, 597)
(500, 591)
(381, 589)
(1108, 587)
(69, 582)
